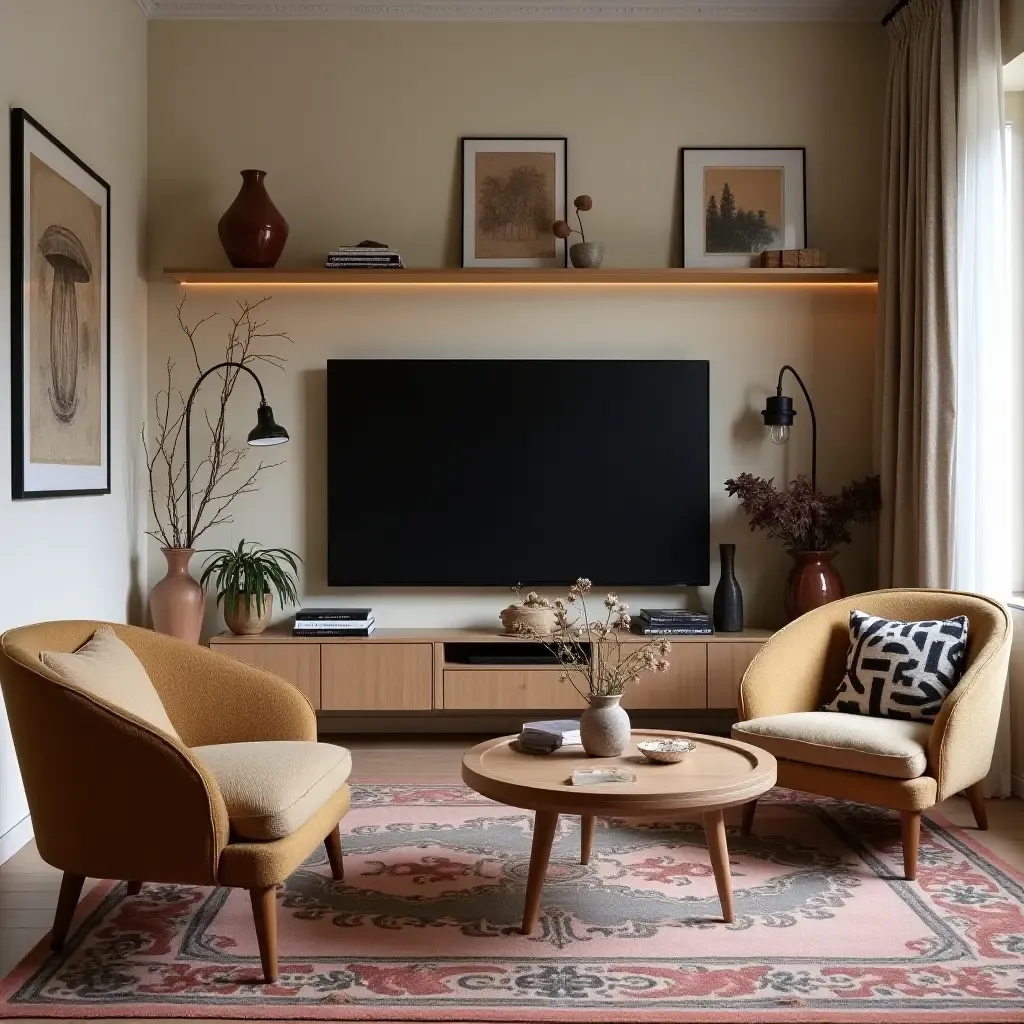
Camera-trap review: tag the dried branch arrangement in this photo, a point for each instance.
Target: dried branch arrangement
(562, 228)
(222, 474)
(592, 652)
(803, 518)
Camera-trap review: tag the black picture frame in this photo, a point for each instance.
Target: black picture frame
(561, 259)
(52, 480)
(685, 208)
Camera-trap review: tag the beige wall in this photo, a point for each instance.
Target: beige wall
(358, 125)
(80, 70)
(1011, 23)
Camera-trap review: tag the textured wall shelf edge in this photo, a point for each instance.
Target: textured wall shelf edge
(755, 277)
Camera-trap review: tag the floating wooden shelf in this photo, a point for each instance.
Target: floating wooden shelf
(452, 278)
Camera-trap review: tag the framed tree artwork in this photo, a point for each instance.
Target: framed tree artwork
(513, 190)
(60, 318)
(738, 202)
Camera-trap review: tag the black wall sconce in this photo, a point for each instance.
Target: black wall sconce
(266, 432)
(779, 414)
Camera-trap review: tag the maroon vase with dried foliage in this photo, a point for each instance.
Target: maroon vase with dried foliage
(812, 525)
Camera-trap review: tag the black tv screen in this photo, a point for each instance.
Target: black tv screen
(491, 472)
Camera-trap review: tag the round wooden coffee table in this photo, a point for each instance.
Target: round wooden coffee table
(719, 773)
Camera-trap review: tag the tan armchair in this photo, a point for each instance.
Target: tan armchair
(906, 766)
(113, 797)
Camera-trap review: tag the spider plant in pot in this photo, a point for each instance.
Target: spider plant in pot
(246, 578)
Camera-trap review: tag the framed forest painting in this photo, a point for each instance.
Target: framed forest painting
(513, 190)
(738, 202)
(60, 318)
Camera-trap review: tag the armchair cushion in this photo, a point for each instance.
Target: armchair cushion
(271, 788)
(901, 669)
(876, 746)
(106, 667)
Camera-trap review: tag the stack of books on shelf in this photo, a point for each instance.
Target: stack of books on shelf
(671, 622)
(364, 256)
(547, 737)
(333, 622)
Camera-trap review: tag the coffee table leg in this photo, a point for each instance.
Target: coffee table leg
(714, 832)
(587, 822)
(544, 825)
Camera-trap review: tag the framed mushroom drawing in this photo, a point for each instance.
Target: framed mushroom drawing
(60, 318)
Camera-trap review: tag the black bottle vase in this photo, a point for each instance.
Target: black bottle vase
(728, 606)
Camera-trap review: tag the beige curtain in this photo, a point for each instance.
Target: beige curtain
(915, 384)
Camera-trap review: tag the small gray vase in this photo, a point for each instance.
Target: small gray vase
(586, 255)
(604, 727)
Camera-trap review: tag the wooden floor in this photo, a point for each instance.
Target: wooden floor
(28, 887)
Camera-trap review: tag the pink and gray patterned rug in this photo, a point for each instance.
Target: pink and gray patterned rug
(424, 927)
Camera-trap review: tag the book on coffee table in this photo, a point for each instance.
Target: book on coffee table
(600, 776)
(547, 737)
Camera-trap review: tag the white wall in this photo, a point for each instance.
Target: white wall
(79, 68)
(348, 161)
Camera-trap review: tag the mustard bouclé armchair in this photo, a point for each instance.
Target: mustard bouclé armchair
(219, 800)
(907, 766)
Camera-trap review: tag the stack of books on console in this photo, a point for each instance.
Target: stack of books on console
(547, 737)
(364, 256)
(671, 622)
(333, 622)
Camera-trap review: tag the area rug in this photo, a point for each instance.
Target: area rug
(424, 927)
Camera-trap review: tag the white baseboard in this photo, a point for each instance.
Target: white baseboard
(1017, 785)
(18, 835)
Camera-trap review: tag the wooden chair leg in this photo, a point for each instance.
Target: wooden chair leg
(264, 913)
(747, 818)
(134, 888)
(333, 844)
(67, 901)
(977, 801)
(910, 830)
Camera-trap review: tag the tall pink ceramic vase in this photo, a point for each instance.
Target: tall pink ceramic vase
(177, 602)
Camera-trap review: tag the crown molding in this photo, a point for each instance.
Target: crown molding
(504, 10)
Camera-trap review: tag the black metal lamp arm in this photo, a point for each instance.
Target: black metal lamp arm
(188, 438)
(814, 422)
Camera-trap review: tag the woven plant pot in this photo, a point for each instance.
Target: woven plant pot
(249, 618)
(520, 618)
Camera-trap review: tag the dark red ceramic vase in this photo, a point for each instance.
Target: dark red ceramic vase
(252, 230)
(812, 582)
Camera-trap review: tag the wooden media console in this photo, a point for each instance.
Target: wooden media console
(441, 675)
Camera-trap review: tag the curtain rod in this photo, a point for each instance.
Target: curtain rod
(896, 10)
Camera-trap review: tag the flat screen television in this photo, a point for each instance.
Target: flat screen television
(465, 472)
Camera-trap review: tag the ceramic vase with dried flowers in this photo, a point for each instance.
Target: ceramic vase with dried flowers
(583, 254)
(599, 661)
(812, 525)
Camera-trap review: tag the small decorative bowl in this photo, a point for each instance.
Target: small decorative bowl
(665, 751)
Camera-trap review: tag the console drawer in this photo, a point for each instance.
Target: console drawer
(683, 686)
(499, 689)
(726, 664)
(298, 663)
(377, 677)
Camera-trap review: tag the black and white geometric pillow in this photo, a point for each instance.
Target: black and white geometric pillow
(901, 669)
